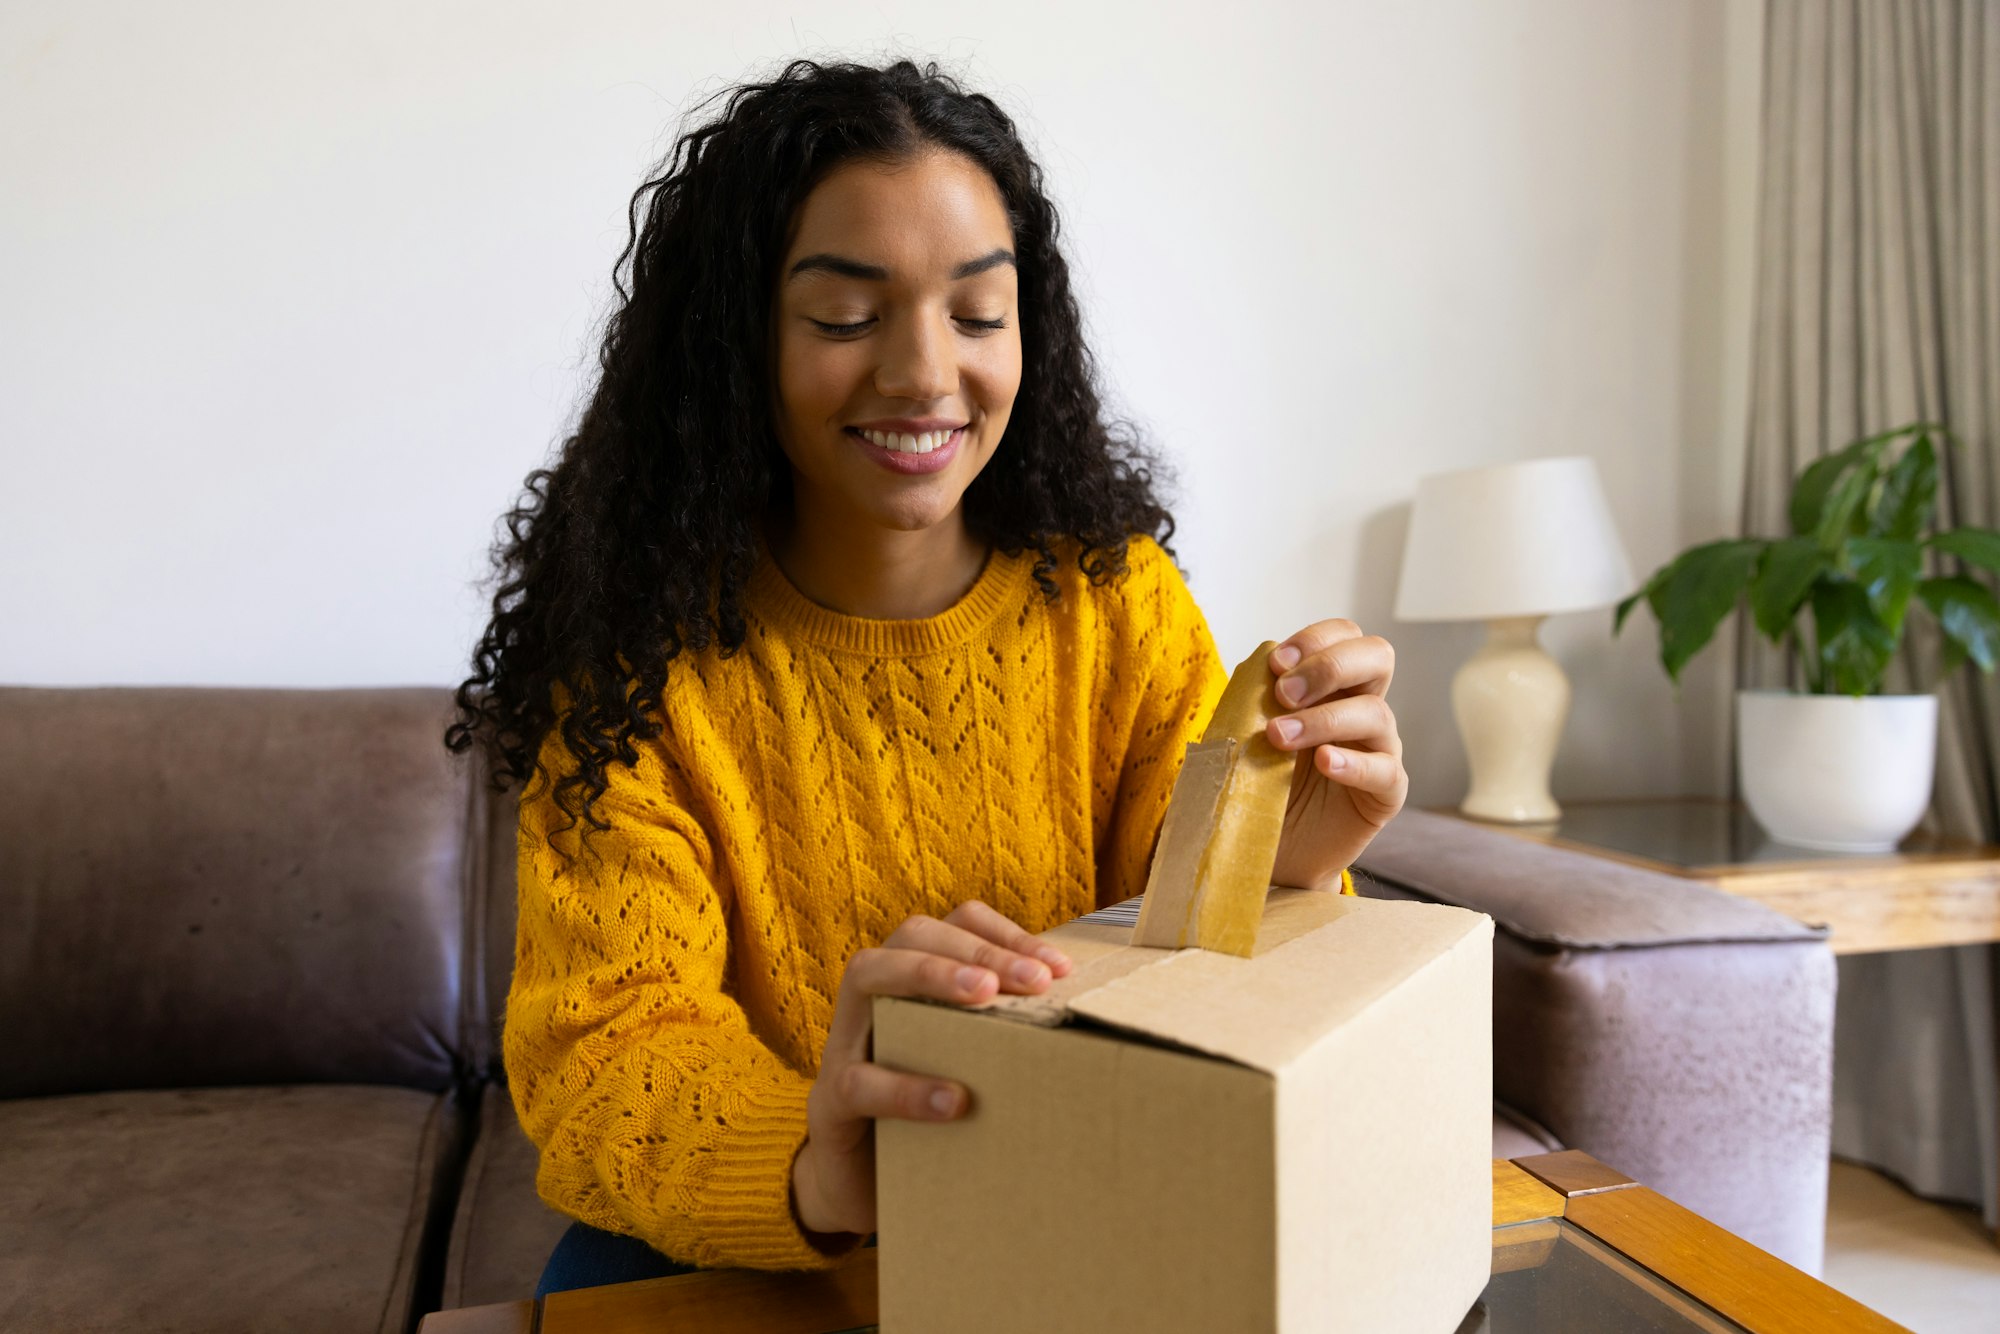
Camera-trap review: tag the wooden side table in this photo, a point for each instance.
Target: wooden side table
(1927, 893)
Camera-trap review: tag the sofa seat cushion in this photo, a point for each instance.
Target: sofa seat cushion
(503, 1233)
(1516, 1135)
(296, 1208)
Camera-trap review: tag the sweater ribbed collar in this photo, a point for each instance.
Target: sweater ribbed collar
(1002, 584)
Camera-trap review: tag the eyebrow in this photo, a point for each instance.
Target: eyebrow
(854, 268)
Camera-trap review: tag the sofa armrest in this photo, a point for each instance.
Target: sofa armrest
(1671, 1030)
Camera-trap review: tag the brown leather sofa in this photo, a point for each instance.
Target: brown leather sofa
(258, 941)
(244, 993)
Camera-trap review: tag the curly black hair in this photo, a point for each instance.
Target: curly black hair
(638, 542)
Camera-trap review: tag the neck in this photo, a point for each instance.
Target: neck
(883, 574)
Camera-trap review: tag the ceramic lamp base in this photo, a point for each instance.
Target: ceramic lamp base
(1510, 699)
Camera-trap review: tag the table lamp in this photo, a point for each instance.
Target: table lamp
(1511, 545)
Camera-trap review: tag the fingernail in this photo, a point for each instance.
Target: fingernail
(944, 1101)
(1290, 689)
(1286, 657)
(1052, 956)
(970, 978)
(1026, 972)
(1289, 729)
(1335, 761)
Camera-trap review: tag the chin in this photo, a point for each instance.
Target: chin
(915, 518)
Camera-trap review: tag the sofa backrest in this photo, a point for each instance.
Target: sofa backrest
(487, 1000)
(223, 886)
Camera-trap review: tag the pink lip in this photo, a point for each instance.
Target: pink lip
(910, 464)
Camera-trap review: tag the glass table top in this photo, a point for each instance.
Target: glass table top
(1551, 1278)
(1691, 833)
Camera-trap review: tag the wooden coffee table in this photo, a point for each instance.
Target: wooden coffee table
(1576, 1247)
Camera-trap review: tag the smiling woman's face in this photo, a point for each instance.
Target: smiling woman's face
(897, 341)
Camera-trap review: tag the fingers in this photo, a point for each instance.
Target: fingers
(923, 974)
(886, 971)
(967, 959)
(1357, 722)
(1347, 663)
(1365, 770)
(975, 933)
(933, 960)
(1315, 638)
(864, 1089)
(991, 924)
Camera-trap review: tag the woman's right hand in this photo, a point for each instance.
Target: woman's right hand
(968, 958)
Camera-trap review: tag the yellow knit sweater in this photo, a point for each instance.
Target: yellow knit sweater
(672, 990)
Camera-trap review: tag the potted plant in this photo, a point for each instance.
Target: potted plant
(1841, 766)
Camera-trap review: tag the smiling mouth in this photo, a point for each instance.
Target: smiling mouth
(900, 443)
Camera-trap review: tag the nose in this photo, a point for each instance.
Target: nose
(919, 359)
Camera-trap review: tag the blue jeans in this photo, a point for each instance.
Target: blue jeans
(589, 1257)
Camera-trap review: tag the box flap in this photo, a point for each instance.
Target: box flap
(1322, 959)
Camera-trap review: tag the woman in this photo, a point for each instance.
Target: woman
(841, 655)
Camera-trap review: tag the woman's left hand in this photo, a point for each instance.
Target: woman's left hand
(1349, 779)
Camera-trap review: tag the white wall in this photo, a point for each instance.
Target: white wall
(291, 299)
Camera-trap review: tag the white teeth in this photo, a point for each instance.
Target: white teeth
(906, 444)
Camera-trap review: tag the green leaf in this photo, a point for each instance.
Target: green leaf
(1625, 607)
(1854, 646)
(1810, 491)
(1969, 614)
(1783, 578)
(1694, 593)
(1888, 569)
(1816, 483)
(1845, 507)
(1953, 657)
(1974, 546)
(1909, 494)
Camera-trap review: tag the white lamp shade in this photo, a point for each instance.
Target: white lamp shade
(1519, 539)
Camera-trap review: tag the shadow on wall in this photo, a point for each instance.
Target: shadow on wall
(1428, 653)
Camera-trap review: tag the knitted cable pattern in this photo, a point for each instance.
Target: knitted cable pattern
(673, 987)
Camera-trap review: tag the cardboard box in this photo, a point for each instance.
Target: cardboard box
(1186, 1140)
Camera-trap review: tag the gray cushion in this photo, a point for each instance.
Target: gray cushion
(503, 1233)
(217, 1210)
(1559, 896)
(1519, 1136)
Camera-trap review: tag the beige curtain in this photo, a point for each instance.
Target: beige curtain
(1878, 303)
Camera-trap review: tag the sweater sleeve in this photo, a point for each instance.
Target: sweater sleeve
(1178, 678)
(657, 1110)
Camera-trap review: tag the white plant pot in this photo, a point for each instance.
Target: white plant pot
(1834, 773)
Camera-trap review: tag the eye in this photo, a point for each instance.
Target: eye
(840, 329)
(984, 326)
